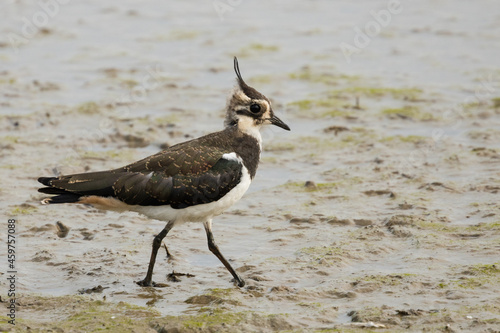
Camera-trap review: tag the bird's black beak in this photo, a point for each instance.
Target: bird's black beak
(278, 122)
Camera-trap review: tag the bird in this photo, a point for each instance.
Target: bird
(192, 181)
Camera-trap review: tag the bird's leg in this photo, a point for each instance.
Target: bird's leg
(215, 250)
(147, 282)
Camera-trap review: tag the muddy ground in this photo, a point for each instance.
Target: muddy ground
(379, 211)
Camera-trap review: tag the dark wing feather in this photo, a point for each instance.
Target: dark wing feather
(180, 159)
(179, 191)
(182, 176)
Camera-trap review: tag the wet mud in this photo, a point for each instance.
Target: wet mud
(379, 211)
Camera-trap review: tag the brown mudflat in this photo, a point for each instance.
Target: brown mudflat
(398, 226)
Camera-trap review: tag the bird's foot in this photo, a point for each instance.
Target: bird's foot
(240, 282)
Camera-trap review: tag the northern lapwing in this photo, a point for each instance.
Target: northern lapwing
(192, 181)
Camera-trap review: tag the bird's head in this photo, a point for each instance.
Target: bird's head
(248, 109)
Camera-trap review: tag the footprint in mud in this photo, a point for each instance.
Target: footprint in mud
(174, 276)
(87, 235)
(45, 227)
(97, 289)
(43, 255)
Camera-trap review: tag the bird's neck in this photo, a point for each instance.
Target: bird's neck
(253, 132)
(247, 144)
(248, 127)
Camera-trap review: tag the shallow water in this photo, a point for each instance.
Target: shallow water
(161, 73)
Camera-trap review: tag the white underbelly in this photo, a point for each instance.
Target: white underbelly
(198, 213)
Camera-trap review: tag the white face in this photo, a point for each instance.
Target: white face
(250, 113)
(254, 114)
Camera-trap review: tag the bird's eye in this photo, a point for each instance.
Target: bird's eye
(255, 108)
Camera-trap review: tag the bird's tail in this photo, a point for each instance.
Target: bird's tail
(61, 196)
(69, 189)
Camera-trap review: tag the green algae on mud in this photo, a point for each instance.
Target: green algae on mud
(119, 155)
(415, 139)
(408, 94)
(322, 108)
(326, 187)
(332, 103)
(183, 34)
(212, 319)
(23, 209)
(304, 187)
(88, 108)
(458, 229)
(485, 270)
(323, 77)
(308, 104)
(215, 296)
(84, 313)
(80, 313)
(409, 112)
(496, 102)
(217, 320)
(474, 276)
(10, 139)
(317, 145)
(257, 49)
(389, 279)
(303, 239)
(439, 319)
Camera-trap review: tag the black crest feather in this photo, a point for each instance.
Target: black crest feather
(237, 71)
(249, 91)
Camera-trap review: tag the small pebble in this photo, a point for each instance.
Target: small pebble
(310, 185)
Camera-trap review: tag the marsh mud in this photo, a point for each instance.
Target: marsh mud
(379, 211)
